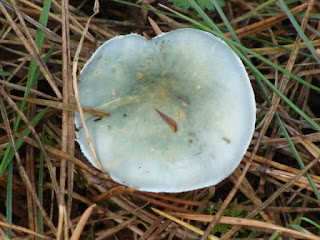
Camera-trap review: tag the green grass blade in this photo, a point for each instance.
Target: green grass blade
(279, 93)
(5, 74)
(275, 235)
(299, 30)
(315, 16)
(9, 154)
(281, 125)
(279, 46)
(297, 156)
(267, 61)
(33, 76)
(235, 37)
(253, 11)
(293, 224)
(43, 20)
(299, 228)
(204, 16)
(45, 60)
(225, 20)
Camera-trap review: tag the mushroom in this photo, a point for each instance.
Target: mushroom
(182, 110)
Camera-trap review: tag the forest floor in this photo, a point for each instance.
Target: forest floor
(48, 189)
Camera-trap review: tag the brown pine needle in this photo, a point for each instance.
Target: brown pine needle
(182, 223)
(82, 222)
(62, 106)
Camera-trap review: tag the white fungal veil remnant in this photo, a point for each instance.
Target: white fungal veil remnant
(182, 110)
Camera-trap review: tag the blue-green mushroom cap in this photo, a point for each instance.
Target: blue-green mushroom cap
(182, 110)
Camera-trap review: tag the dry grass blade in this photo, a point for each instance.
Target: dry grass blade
(75, 86)
(78, 28)
(54, 37)
(3, 234)
(156, 202)
(265, 24)
(273, 50)
(155, 26)
(62, 106)
(113, 193)
(247, 223)
(22, 171)
(310, 146)
(58, 153)
(82, 222)
(34, 133)
(68, 129)
(171, 22)
(24, 230)
(231, 194)
(285, 79)
(273, 197)
(23, 89)
(32, 51)
(116, 229)
(182, 223)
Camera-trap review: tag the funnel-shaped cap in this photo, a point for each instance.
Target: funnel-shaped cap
(182, 110)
